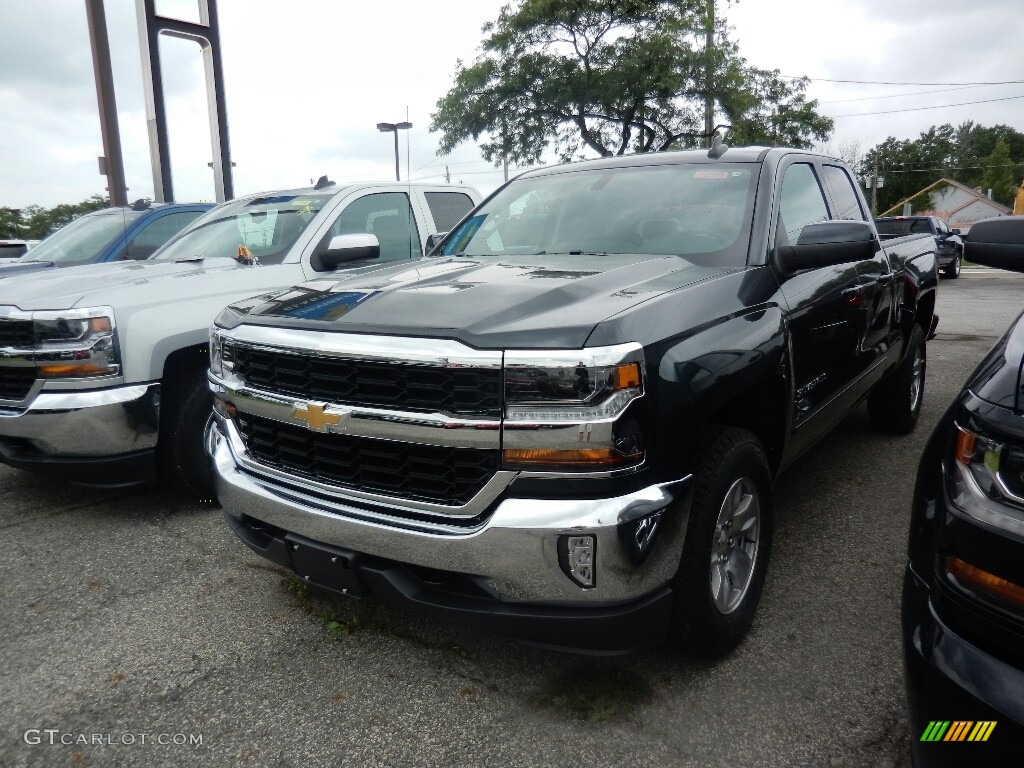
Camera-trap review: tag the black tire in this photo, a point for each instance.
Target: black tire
(186, 409)
(733, 466)
(895, 403)
(952, 270)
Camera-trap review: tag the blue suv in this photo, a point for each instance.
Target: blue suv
(111, 234)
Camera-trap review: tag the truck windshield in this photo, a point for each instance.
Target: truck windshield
(267, 226)
(81, 241)
(701, 212)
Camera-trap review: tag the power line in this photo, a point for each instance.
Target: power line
(948, 168)
(882, 82)
(921, 109)
(898, 95)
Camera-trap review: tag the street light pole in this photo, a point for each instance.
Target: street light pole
(394, 128)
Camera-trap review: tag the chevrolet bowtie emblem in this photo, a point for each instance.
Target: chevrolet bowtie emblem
(315, 417)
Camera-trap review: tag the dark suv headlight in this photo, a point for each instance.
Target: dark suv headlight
(987, 481)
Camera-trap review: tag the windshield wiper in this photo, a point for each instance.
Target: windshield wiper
(184, 259)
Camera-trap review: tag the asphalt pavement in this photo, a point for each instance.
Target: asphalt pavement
(136, 631)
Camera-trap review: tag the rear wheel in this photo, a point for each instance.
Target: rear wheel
(186, 410)
(728, 540)
(895, 403)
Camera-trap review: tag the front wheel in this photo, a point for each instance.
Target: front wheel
(186, 410)
(895, 403)
(728, 539)
(952, 271)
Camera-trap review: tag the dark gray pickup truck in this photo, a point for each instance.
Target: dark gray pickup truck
(565, 424)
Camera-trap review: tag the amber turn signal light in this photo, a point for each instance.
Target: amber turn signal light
(605, 457)
(627, 376)
(972, 576)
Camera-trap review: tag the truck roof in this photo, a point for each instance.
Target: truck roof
(752, 154)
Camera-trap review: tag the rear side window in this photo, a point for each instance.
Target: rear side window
(448, 208)
(844, 194)
(159, 231)
(801, 203)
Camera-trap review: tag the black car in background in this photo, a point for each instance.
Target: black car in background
(949, 243)
(963, 592)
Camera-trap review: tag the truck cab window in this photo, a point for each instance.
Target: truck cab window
(801, 203)
(844, 194)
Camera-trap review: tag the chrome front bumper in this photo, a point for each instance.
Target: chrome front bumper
(514, 546)
(102, 422)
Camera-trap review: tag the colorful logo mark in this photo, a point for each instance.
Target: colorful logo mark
(958, 730)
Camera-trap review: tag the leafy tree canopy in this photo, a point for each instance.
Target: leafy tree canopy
(974, 155)
(614, 76)
(35, 222)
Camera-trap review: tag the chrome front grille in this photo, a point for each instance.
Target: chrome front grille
(15, 382)
(460, 391)
(18, 334)
(401, 470)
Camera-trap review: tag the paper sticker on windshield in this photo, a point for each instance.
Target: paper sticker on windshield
(305, 207)
(711, 174)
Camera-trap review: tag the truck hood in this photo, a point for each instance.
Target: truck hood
(108, 284)
(488, 302)
(998, 378)
(18, 267)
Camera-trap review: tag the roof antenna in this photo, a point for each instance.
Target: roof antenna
(718, 146)
(322, 182)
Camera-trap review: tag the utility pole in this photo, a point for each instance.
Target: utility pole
(113, 163)
(709, 99)
(874, 187)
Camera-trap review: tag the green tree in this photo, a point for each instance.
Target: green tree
(613, 77)
(963, 154)
(38, 222)
(1000, 176)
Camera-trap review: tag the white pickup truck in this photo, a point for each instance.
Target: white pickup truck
(103, 367)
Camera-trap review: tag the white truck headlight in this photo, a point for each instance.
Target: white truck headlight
(75, 343)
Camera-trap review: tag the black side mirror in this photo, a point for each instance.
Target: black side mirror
(998, 243)
(954, 231)
(826, 243)
(342, 248)
(432, 242)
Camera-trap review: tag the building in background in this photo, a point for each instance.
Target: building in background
(959, 205)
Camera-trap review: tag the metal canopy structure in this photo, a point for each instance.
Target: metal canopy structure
(207, 34)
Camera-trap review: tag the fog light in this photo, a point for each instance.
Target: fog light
(643, 534)
(576, 556)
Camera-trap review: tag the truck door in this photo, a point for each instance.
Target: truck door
(878, 283)
(824, 313)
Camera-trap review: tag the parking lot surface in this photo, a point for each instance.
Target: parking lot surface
(136, 631)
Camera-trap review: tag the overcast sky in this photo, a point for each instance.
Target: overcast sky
(307, 82)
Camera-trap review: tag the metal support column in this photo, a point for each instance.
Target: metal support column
(207, 34)
(113, 165)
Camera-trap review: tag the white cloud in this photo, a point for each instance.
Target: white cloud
(307, 83)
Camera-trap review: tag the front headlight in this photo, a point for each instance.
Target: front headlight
(75, 343)
(567, 409)
(987, 481)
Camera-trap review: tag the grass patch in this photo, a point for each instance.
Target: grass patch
(340, 617)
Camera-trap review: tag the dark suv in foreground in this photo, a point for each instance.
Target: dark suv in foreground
(963, 595)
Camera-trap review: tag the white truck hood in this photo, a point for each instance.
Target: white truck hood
(112, 284)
